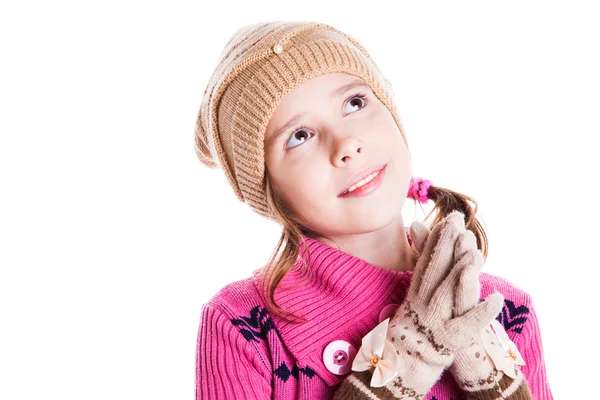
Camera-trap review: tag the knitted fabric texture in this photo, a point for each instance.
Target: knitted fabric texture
(424, 332)
(260, 64)
(246, 352)
(471, 368)
(356, 387)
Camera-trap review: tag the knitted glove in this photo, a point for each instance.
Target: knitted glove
(423, 332)
(473, 369)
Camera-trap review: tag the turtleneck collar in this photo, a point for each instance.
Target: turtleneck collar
(340, 295)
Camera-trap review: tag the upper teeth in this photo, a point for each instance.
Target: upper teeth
(364, 181)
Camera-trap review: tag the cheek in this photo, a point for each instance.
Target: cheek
(394, 143)
(305, 181)
(305, 189)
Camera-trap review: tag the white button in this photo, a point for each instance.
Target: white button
(277, 48)
(338, 357)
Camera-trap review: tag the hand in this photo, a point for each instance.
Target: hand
(472, 369)
(424, 331)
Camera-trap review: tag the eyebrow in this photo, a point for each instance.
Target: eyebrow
(335, 93)
(351, 85)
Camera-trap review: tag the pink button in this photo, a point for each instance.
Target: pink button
(338, 357)
(388, 311)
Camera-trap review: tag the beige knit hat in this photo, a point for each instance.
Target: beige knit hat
(260, 64)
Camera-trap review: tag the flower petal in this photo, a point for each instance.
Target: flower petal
(507, 344)
(383, 376)
(375, 340)
(387, 367)
(389, 354)
(374, 344)
(493, 348)
(362, 361)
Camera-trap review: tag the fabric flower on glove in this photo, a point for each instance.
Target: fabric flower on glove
(378, 352)
(501, 349)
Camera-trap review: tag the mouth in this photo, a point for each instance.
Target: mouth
(366, 185)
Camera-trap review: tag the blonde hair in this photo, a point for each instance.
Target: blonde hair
(286, 253)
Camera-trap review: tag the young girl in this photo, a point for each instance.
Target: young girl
(352, 304)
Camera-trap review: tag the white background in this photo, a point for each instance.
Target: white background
(113, 234)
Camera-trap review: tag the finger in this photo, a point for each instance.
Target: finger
(418, 233)
(466, 241)
(443, 254)
(462, 330)
(457, 217)
(468, 288)
(459, 287)
(442, 301)
(424, 259)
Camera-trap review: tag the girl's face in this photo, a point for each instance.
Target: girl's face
(340, 130)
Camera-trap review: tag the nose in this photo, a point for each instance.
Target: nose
(346, 149)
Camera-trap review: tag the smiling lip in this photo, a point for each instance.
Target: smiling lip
(367, 188)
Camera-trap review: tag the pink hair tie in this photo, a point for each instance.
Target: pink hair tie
(419, 189)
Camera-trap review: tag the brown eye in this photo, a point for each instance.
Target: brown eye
(301, 135)
(357, 102)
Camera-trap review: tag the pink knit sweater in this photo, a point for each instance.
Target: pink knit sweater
(245, 352)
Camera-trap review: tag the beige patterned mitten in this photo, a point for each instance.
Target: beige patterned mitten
(473, 368)
(423, 334)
